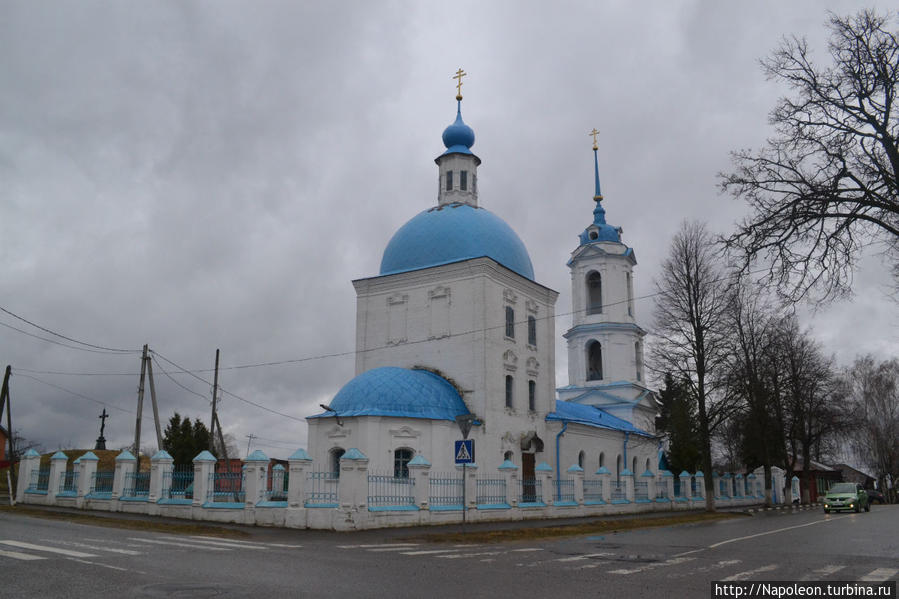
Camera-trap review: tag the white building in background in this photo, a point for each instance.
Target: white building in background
(455, 323)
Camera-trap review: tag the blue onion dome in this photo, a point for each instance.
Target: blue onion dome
(399, 392)
(458, 137)
(452, 233)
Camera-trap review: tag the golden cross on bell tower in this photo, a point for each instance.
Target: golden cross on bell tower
(458, 77)
(594, 133)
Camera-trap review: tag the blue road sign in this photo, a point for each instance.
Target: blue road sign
(464, 451)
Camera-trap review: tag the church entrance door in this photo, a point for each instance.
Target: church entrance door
(528, 479)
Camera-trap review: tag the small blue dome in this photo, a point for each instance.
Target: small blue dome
(453, 233)
(400, 392)
(458, 137)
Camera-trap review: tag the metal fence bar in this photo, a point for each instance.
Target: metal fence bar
(40, 480)
(618, 492)
(445, 490)
(137, 485)
(641, 489)
(68, 483)
(565, 489)
(226, 487)
(387, 490)
(593, 490)
(531, 490)
(178, 483)
(491, 491)
(661, 488)
(101, 482)
(321, 489)
(276, 486)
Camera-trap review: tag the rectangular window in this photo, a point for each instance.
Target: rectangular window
(463, 180)
(532, 331)
(449, 180)
(509, 391)
(510, 323)
(532, 396)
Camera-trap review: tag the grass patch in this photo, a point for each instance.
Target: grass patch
(604, 526)
(118, 521)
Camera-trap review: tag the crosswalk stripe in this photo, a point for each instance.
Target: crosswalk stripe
(251, 544)
(879, 575)
(21, 556)
(668, 562)
(378, 545)
(825, 571)
(430, 552)
(389, 549)
(224, 544)
(283, 546)
(177, 544)
(526, 549)
(749, 573)
(577, 558)
(47, 549)
(97, 548)
(465, 555)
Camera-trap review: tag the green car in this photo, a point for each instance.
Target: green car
(846, 496)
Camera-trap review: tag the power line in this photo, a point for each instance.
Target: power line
(54, 341)
(75, 393)
(61, 336)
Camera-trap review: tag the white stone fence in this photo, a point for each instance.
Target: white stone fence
(355, 498)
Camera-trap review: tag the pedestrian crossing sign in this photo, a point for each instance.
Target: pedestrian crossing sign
(464, 451)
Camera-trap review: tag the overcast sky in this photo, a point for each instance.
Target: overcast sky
(202, 175)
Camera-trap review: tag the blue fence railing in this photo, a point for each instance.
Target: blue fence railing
(277, 482)
(137, 485)
(641, 490)
(101, 484)
(226, 487)
(387, 490)
(662, 487)
(68, 484)
(593, 490)
(565, 490)
(445, 490)
(178, 483)
(531, 490)
(618, 492)
(40, 481)
(321, 489)
(490, 490)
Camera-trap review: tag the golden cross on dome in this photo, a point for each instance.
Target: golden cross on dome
(594, 133)
(458, 77)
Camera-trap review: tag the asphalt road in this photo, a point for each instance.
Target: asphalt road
(50, 558)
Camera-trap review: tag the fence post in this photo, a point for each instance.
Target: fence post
(124, 464)
(204, 466)
(256, 472)
(544, 474)
(30, 462)
(728, 485)
(298, 463)
(57, 466)
(470, 474)
(750, 485)
(352, 488)
(628, 477)
(513, 490)
(650, 480)
(420, 472)
(86, 475)
(739, 486)
(685, 480)
(668, 482)
(578, 473)
(606, 477)
(160, 463)
(700, 484)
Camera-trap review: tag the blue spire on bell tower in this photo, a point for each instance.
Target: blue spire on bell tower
(599, 230)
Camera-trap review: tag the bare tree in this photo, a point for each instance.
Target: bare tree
(690, 341)
(827, 182)
(875, 398)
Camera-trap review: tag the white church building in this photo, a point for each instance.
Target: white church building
(456, 324)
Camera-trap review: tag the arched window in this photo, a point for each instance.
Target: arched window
(634, 465)
(335, 455)
(594, 293)
(630, 295)
(509, 403)
(508, 456)
(647, 465)
(618, 466)
(463, 180)
(401, 459)
(532, 331)
(449, 180)
(532, 396)
(510, 322)
(594, 361)
(580, 459)
(602, 459)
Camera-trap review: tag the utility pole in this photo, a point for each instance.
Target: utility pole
(5, 400)
(140, 405)
(153, 400)
(214, 419)
(250, 438)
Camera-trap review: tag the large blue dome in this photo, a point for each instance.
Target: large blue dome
(400, 392)
(453, 233)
